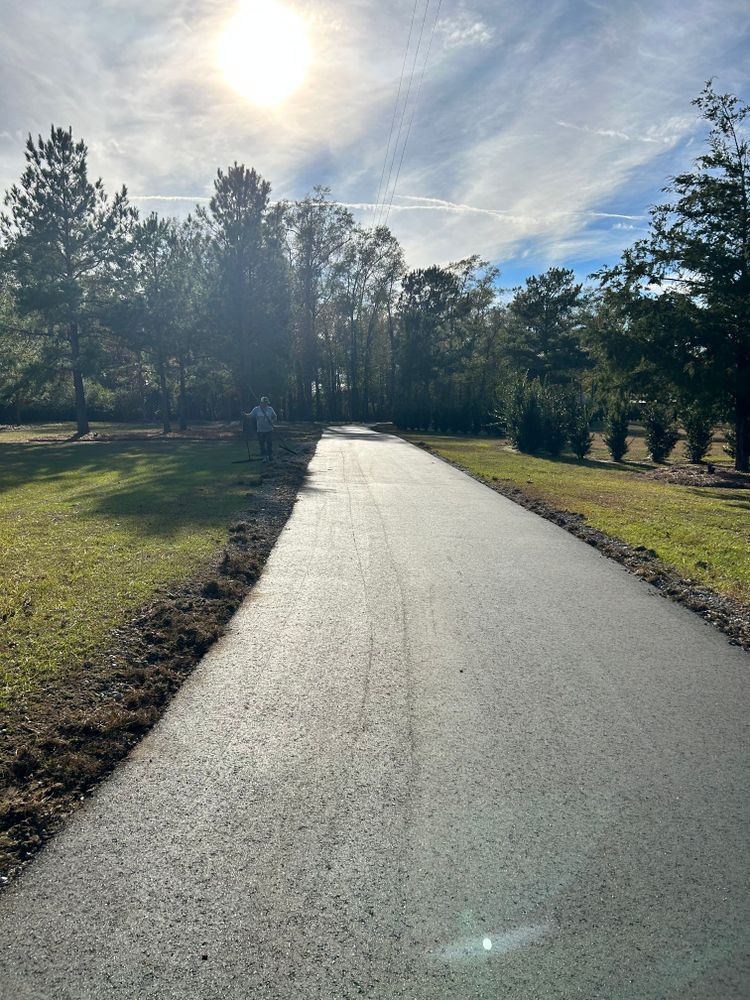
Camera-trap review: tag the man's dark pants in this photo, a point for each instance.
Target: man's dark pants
(265, 440)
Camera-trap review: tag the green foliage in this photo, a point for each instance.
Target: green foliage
(523, 413)
(699, 424)
(535, 416)
(661, 431)
(319, 232)
(447, 347)
(252, 295)
(579, 432)
(555, 417)
(63, 243)
(542, 334)
(616, 429)
(683, 292)
(250, 277)
(730, 446)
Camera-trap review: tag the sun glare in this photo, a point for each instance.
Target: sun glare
(264, 51)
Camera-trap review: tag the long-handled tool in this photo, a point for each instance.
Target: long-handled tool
(283, 443)
(240, 461)
(287, 447)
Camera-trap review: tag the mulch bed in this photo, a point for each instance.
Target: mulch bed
(701, 475)
(727, 614)
(58, 743)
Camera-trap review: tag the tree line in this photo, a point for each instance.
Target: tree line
(107, 312)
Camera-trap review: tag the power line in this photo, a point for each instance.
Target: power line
(403, 112)
(414, 111)
(395, 106)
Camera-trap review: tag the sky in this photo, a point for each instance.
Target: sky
(541, 132)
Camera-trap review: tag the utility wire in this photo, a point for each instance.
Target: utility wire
(413, 113)
(395, 106)
(403, 112)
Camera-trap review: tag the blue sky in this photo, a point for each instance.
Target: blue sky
(544, 129)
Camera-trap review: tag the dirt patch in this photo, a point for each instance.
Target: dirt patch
(730, 616)
(700, 475)
(58, 743)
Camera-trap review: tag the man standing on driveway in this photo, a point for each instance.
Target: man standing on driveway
(265, 420)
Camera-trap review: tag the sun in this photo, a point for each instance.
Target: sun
(264, 51)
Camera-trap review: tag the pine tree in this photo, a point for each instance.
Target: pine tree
(695, 334)
(62, 238)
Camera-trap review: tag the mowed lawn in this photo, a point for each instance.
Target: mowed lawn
(702, 532)
(89, 531)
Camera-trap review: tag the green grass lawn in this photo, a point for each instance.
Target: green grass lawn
(89, 531)
(703, 533)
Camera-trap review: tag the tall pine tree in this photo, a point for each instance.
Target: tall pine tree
(62, 238)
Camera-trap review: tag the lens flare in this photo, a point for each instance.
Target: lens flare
(264, 51)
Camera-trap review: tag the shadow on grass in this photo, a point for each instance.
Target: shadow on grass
(594, 463)
(158, 487)
(735, 499)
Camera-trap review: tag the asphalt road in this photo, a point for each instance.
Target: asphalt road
(445, 751)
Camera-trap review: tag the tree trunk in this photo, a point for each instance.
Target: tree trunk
(353, 371)
(141, 388)
(166, 417)
(183, 397)
(391, 362)
(246, 403)
(318, 391)
(82, 420)
(742, 433)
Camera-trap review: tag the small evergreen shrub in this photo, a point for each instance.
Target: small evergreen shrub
(698, 424)
(616, 430)
(524, 418)
(536, 417)
(554, 419)
(661, 431)
(730, 446)
(579, 434)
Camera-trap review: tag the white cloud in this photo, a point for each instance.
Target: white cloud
(464, 29)
(491, 171)
(191, 198)
(667, 133)
(612, 133)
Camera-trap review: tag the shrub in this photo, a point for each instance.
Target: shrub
(555, 414)
(579, 434)
(661, 431)
(524, 419)
(730, 447)
(616, 430)
(535, 416)
(698, 423)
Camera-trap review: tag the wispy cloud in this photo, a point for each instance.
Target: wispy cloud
(191, 198)
(667, 133)
(464, 29)
(609, 132)
(489, 169)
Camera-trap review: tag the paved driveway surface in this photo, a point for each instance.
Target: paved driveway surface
(446, 750)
